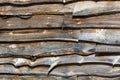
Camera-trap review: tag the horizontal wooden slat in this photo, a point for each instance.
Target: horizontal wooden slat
(28, 1)
(97, 78)
(32, 10)
(38, 21)
(64, 71)
(107, 49)
(41, 49)
(39, 35)
(61, 60)
(103, 21)
(105, 36)
(60, 21)
(96, 8)
(22, 2)
(42, 77)
(9, 77)
(79, 8)
(37, 16)
(33, 77)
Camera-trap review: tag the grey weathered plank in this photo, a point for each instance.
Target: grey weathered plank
(62, 60)
(42, 77)
(80, 8)
(32, 10)
(33, 77)
(96, 8)
(60, 21)
(22, 2)
(38, 21)
(64, 71)
(105, 36)
(106, 49)
(28, 1)
(39, 35)
(42, 49)
(103, 21)
(97, 78)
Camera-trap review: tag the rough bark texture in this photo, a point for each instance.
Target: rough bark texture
(59, 40)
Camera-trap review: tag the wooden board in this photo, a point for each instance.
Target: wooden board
(37, 77)
(104, 36)
(31, 10)
(96, 8)
(32, 22)
(110, 21)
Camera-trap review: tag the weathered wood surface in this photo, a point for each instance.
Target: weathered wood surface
(28, 1)
(105, 36)
(41, 49)
(31, 10)
(59, 40)
(64, 66)
(103, 14)
(64, 71)
(96, 8)
(59, 21)
(61, 60)
(32, 22)
(23, 2)
(33, 77)
(102, 22)
(39, 35)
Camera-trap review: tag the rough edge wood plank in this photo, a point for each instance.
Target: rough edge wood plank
(32, 22)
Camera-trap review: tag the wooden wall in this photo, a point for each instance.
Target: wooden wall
(59, 40)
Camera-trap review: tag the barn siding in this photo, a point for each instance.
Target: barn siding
(59, 40)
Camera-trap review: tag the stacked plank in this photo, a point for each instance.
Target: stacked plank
(59, 40)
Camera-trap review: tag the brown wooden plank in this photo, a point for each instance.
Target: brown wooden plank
(39, 35)
(80, 8)
(31, 10)
(22, 2)
(105, 36)
(42, 49)
(32, 77)
(103, 21)
(37, 21)
(60, 21)
(28, 1)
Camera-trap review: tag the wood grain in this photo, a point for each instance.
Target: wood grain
(32, 22)
(59, 40)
